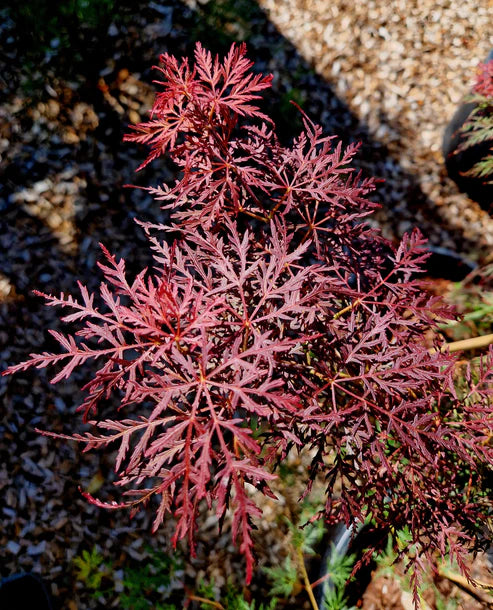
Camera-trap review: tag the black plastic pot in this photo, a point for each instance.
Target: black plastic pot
(457, 163)
(341, 541)
(447, 264)
(25, 591)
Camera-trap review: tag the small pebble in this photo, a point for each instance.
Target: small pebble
(36, 549)
(13, 547)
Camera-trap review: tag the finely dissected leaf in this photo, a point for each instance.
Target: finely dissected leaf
(195, 340)
(482, 169)
(279, 319)
(484, 80)
(283, 577)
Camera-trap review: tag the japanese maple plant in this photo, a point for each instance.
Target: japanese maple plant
(275, 318)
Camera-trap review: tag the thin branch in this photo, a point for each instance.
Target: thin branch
(465, 344)
(463, 583)
(341, 312)
(203, 600)
(306, 580)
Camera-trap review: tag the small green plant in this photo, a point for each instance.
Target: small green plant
(91, 570)
(144, 585)
(233, 599)
(291, 576)
(390, 556)
(339, 570)
(284, 578)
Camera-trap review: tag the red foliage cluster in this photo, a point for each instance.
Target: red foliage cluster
(484, 80)
(278, 319)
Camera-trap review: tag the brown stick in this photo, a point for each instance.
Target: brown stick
(203, 600)
(306, 580)
(465, 344)
(465, 585)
